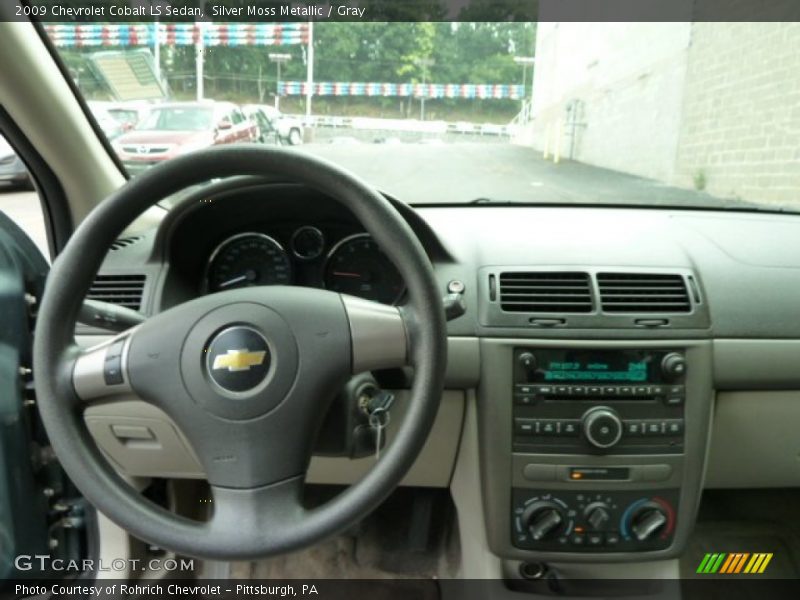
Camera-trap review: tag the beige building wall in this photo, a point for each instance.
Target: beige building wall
(740, 128)
(610, 93)
(715, 105)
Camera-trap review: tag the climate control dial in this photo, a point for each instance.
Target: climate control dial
(544, 520)
(647, 521)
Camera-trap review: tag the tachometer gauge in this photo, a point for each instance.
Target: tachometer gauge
(357, 266)
(248, 259)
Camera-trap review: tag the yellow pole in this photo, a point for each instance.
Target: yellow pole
(546, 152)
(557, 150)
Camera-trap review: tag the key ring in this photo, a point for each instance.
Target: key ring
(379, 418)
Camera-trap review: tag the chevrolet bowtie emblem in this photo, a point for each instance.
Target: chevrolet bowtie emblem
(238, 360)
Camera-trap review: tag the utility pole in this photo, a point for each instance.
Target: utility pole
(199, 56)
(424, 63)
(279, 59)
(525, 61)
(157, 49)
(309, 71)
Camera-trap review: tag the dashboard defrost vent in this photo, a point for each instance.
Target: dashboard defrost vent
(643, 293)
(545, 292)
(122, 242)
(125, 290)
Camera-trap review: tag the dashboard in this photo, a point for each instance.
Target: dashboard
(610, 362)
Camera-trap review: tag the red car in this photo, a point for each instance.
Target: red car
(172, 129)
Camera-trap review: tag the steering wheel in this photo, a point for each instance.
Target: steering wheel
(246, 374)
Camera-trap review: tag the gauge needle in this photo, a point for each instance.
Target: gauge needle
(233, 281)
(346, 274)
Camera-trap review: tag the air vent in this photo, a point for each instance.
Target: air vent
(545, 292)
(123, 242)
(643, 293)
(125, 290)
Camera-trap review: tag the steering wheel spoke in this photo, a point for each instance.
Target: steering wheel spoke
(276, 508)
(100, 372)
(379, 334)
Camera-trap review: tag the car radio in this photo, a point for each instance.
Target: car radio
(596, 401)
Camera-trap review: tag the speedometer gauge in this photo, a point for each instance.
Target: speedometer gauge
(247, 259)
(357, 266)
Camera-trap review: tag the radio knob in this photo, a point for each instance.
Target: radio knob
(527, 360)
(673, 366)
(543, 519)
(602, 427)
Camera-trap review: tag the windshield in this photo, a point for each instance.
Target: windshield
(647, 114)
(178, 119)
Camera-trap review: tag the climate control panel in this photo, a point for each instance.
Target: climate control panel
(583, 521)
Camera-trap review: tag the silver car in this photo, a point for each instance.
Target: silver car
(12, 169)
(289, 130)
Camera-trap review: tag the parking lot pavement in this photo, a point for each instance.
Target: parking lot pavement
(24, 209)
(464, 172)
(421, 173)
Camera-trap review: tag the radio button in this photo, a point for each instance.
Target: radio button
(674, 427)
(578, 390)
(525, 400)
(657, 390)
(674, 400)
(544, 390)
(625, 390)
(595, 390)
(526, 426)
(570, 427)
(548, 427)
(675, 390)
(562, 390)
(641, 390)
(610, 390)
(654, 427)
(525, 389)
(634, 427)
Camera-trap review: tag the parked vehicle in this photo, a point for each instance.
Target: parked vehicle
(111, 127)
(12, 169)
(127, 114)
(289, 130)
(172, 129)
(266, 132)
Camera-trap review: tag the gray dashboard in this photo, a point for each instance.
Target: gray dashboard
(737, 329)
(745, 264)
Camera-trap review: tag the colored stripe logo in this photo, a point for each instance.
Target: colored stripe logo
(734, 563)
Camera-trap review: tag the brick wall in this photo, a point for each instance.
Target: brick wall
(740, 126)
(715, 104)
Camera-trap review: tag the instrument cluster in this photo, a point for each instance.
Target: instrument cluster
(307, 255)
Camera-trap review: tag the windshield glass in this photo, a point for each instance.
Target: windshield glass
(665, 114)
(178, 119)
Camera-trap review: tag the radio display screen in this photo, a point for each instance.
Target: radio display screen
(595, 370)
(601, 366)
